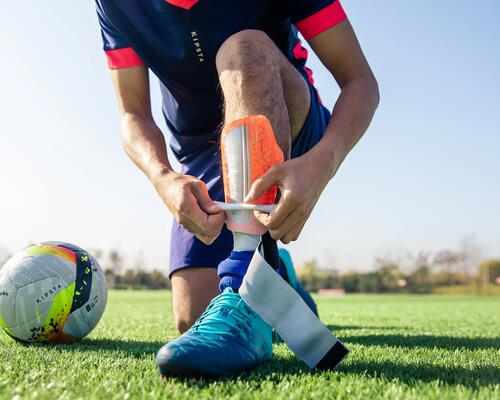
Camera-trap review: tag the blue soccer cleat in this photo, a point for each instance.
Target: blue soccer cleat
(228, 338)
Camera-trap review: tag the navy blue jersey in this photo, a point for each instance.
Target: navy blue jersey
(178, 41)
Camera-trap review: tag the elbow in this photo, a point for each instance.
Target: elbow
(364, 86)
(376, 93)
(373, 91)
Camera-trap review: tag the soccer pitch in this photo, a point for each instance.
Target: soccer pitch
(401, 347)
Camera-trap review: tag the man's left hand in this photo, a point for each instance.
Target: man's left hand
(301, 182)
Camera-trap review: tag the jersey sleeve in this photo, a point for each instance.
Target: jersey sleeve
(119, 52)
(311, 17)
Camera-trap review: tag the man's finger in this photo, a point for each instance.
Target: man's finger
(199, 218)
(294, 233)
(277, 231)
(262, 217)
(216, 221)
(289, 223)
(283, 211)
(264, 183)
(207, 236)
(273, 220)
(204, 200)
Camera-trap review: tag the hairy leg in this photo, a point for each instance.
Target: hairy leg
(256, 78)
(192, 290)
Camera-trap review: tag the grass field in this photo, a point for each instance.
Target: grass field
(401, 347)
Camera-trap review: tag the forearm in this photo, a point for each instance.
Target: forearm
(351, 117)
(145, 145)
(184, 195)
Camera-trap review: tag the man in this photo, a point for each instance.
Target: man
(219, 61)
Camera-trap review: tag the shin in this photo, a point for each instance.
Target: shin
(248, 149)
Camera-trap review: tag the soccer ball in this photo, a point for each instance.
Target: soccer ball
(51, 292)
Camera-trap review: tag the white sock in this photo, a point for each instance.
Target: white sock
(245, 241)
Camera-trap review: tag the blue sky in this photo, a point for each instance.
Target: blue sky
(425, 174)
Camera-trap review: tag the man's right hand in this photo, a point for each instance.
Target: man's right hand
(185, 196)
(188, 200)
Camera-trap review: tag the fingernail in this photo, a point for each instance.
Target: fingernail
(213, 208)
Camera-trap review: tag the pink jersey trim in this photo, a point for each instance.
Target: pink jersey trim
(300, 53)
(185, 4)
(322, 20)
(123, 58)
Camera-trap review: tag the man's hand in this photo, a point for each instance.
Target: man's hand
(188, 200)
(186, 197)
(301, 182)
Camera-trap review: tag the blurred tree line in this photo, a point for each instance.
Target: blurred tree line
(133, 277)
(447, 271)
(426, 274)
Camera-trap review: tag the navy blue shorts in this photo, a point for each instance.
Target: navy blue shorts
(185, 249)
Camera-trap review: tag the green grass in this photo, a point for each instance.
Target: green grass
(401, 347)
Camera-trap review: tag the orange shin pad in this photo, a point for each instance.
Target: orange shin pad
(249, 149)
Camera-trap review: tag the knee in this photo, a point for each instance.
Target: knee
(192, 290)
(246, 48)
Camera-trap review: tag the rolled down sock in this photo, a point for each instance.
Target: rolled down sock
(232, 270)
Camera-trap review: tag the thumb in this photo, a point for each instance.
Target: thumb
(264, 183)
(204, 200)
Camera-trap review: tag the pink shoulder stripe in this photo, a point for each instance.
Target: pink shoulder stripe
(123, 58)
(322, 20)
(185, 4)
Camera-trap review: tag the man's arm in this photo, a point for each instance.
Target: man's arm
(340, 52)
(185, 196)
(302, 180)
(142, 139)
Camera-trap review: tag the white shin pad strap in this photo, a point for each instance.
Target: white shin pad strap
(245, 206)
(280, 306)
(235, 214)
